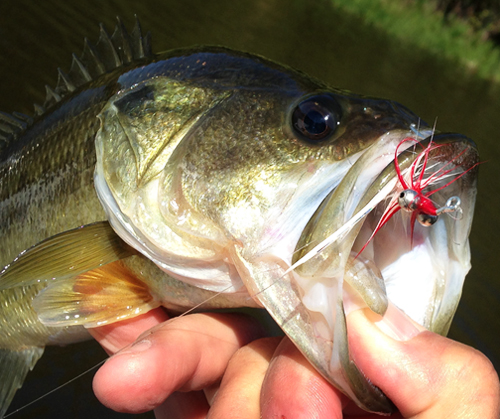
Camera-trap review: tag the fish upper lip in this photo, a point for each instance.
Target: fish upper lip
(424, 282)
(468, 158)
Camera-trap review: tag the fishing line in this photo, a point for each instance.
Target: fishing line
(116, 353)
(55, 389)
(202, 303)
(340, 233)
(321, 245)
(337, 235)
(104, 360)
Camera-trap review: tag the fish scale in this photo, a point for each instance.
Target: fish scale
(200, 176)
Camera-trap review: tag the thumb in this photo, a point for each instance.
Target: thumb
(426, 376)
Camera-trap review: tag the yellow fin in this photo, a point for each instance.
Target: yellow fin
(66, 255)
(101, 296)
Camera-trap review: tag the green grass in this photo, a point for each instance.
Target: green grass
(419, 24)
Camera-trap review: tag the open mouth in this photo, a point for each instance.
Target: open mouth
(421, 249)
(338, 263)
(368, 246)
(418, 249)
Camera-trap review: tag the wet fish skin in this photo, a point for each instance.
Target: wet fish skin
(46, 175)
(234, 165)
(224, 100)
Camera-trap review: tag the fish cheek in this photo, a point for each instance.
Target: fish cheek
(145, 124)
(144, 133)
(229, 166)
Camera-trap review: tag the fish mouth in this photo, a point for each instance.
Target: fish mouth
(349, 256)
(401, 246)
(335, 205)
(424, 266)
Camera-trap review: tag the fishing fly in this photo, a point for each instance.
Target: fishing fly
(413, 182)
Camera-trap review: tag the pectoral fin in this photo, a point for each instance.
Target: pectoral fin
(14, 365)
(101, 296)
(66, 255)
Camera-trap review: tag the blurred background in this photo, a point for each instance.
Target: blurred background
(439, 58)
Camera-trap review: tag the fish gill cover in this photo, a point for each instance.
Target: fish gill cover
(218, 182)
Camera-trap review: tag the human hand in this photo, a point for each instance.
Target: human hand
(175, 359)
(427, 376)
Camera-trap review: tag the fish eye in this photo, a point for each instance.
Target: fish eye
(316, 118)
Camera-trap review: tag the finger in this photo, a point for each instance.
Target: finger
(450, 379)
(292, 388)
(186, 353)
(239, 394)
(192, 405)
(116, 336)
(211, 391)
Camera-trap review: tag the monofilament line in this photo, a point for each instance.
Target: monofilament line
(55, 389)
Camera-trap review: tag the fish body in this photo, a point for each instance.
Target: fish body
(204, 174)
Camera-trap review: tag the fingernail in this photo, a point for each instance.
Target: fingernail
(397, 325)
(136, 347)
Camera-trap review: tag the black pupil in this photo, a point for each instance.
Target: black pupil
(316, 118)
(315, 123)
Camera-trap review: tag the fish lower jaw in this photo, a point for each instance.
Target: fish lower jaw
(408, 287)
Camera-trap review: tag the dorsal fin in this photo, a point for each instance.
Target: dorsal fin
(11, 126)
(108, 53)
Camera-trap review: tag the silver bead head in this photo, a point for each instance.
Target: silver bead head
(408, 200)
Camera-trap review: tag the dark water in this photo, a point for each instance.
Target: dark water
(36, 38)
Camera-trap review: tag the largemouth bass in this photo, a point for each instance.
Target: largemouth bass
(211, 175)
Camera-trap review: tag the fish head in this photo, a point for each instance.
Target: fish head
(202, 150)
(236, 174)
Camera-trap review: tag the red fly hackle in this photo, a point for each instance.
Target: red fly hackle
(409, 193)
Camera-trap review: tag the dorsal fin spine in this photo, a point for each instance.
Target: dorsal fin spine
(12, 121)
(23, 117)
(90, 51)
(113, 55)
(51, 94)
(39, 110)
(83, 70)
(63, 78)
(138, 40)
(10, 127)
(107, 54)
(121, 40)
